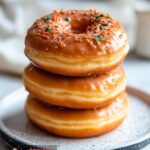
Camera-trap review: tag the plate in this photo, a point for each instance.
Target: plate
(18, 131)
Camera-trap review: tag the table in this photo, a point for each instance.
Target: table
(137, 71)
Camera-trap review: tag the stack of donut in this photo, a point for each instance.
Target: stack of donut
(75, 81)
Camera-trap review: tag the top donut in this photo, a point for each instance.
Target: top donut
(76, 42)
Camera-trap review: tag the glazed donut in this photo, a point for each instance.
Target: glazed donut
(74, 92)
(77, 123)
(76, 43)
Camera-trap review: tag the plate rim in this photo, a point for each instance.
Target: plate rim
(131, 90)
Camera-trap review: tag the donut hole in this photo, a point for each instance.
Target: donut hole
(76, 31)
(79, 27)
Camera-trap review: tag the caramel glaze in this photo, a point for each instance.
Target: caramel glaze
(77, 37)
(40, 60)
(69, 114)
(77, 123)
(97, 83)
(74, 92)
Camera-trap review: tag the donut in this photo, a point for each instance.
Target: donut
(77, 123)
(76, 42)
(74, 92)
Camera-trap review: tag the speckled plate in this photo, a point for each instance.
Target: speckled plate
(134, 132)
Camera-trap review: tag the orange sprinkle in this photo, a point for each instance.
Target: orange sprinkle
(63, 33)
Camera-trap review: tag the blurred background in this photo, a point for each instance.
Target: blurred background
(16, 16)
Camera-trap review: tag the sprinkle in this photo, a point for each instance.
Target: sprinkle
(98, 37)
(98, 33)
(48, 29)
(47, 19)
(97, 18)
(101, 15)
(104, 24)
(100, 27)
(109, 21)
(68, 19)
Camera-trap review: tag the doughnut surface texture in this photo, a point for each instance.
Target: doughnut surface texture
(74, 92)
(77, 123)
(76, 43)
